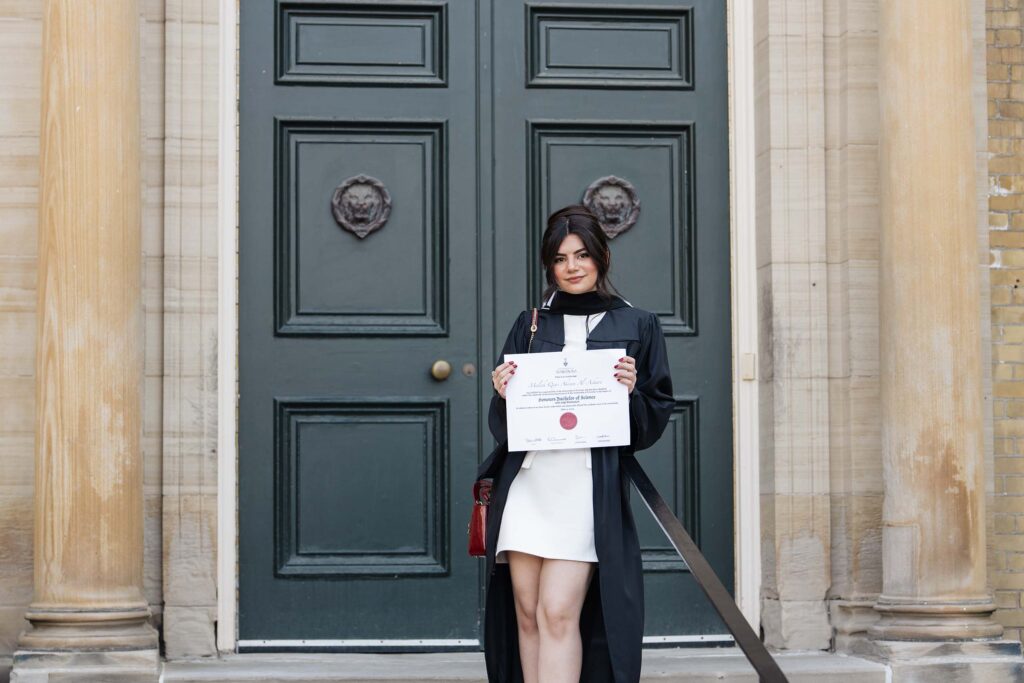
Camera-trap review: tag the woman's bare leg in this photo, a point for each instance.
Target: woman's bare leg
(525, 571)
(563, 586)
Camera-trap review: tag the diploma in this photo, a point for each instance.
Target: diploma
(566, 399)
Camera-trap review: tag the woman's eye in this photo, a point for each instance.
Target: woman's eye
(584, 255)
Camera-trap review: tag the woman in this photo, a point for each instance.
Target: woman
(564, 575)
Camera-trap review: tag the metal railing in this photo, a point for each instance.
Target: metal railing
(758, 656)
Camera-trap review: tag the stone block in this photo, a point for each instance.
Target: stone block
(189, 550)
(189, 632)
(993, 661)
(20, 63)
(850, 621)
(16, 515)
(12, 623)
(152, 577)
(136, 666)
(796, 624)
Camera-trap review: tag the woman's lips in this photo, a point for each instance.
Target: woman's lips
(574, 280)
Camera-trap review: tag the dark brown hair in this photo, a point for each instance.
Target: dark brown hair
(578, 220)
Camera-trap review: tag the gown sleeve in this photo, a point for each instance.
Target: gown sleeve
(652, 401)
(514, 343)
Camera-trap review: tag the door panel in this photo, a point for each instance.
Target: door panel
(357, 240)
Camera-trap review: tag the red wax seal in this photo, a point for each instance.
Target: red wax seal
(568, 420)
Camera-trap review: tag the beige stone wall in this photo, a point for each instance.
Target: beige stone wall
(20, 76)
(190, 329)
(1005, 40)
(818, 237)
(794, 291)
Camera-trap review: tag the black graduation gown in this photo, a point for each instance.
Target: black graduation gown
(612, 619)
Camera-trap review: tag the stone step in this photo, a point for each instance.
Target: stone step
(683, 665)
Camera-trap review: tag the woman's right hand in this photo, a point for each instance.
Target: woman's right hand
(501, 375)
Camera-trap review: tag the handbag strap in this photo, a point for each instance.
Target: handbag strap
(533, 330)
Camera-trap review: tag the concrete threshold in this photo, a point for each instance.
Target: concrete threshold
(682, 665)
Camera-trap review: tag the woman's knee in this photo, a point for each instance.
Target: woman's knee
(557, 620)
(526, 618)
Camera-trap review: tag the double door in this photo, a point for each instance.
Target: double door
(397, 161)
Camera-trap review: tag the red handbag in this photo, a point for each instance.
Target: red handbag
(482, 491)
(478, 522)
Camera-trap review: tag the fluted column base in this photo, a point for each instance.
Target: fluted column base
(115, 644)
(934, 621)
(68, 629)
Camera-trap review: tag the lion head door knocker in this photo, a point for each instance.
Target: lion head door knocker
(615, 203)
(361, 204)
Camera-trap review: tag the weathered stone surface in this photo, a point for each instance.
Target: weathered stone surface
(12, 623)
(856, 545)
(137, 666)
(684, 665)
(188, 300)
(101, 677)
(190, 632)
(796, 624)
(850, 622)
(190, 538)
(15, 549)
(995, 661)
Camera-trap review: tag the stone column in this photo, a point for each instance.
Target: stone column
(88, 512)
(933, 533)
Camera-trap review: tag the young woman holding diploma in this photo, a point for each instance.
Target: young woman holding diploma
(564, 575)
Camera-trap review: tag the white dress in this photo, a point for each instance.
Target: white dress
(549, 511)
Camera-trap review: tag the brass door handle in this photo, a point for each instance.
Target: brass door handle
(440, 370)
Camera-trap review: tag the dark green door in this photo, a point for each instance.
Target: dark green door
(396, 162)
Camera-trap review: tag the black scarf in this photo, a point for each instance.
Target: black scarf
(586, 303)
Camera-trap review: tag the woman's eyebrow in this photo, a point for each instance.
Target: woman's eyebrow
(562, 253)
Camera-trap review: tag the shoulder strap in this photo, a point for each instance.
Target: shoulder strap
(533, 330)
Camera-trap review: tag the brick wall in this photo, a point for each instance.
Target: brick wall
(1005, 42)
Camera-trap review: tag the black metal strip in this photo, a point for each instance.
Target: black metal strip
(758, 656)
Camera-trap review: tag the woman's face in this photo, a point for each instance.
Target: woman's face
(574, 267)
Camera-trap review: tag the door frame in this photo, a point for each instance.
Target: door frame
(743, 275)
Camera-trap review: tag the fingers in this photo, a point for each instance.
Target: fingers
(501, 376)
(625, 372)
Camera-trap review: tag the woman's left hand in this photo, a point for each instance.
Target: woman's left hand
(625, 371)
